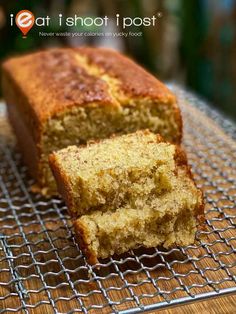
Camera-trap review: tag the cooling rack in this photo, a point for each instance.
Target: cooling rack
(42, 269)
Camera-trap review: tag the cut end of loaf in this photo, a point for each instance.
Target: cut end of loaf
(128, 191)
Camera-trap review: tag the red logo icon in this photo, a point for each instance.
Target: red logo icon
(25, 21)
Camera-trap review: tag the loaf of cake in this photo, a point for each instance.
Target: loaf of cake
(128, 191)
(68, 96)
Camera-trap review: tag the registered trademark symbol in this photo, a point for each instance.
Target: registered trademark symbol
(159, 14)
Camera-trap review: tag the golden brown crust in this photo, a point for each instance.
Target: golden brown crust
(15, 95)
(200, 212)
(25, 142)
(63, 184)
(66, 83)
(82, 235)
(179, 121)
(181, 157)
(134, 80)
(182, 161)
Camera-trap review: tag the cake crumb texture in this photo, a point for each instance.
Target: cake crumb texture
(128, 191)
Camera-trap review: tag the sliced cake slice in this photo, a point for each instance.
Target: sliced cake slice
(113, 172)
(128, 191)
(168, 219)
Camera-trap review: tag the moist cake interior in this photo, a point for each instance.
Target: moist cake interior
(168, 219)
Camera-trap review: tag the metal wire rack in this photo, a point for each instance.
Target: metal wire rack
(42, 269)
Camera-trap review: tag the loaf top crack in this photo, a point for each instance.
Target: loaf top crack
(58, 79)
